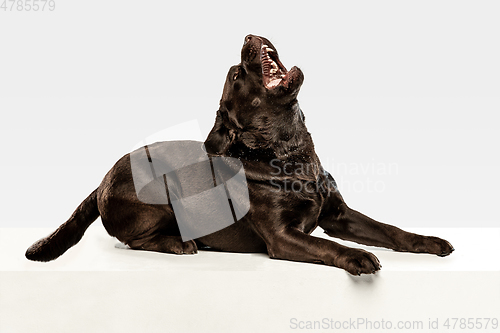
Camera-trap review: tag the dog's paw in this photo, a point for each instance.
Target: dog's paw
(440, 246)
(357, 262)
(188, 247)
(433, 245)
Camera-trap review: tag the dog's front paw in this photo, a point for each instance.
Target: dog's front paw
(439, 246)
(432, 245)
(357, 262)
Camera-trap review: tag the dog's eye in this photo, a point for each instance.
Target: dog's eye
(235, 76)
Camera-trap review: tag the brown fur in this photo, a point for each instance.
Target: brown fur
(265, 129)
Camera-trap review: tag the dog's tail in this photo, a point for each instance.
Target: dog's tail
(68, 234)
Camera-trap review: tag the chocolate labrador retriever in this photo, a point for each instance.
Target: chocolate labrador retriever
(260, 123)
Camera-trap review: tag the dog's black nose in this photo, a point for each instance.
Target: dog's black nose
(248, 38)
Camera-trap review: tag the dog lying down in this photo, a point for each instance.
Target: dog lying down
(255, 185)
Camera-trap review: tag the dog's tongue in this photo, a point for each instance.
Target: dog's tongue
(273, 83)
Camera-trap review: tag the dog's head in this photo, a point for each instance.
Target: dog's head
(260, 82)
(259, 102)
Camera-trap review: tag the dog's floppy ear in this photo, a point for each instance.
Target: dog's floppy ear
(220, 137)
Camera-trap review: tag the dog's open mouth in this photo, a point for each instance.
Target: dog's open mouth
(273, 71)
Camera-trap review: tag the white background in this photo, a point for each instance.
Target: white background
(406, 91)
(402, 101)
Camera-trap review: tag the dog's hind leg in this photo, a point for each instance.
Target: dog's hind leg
(165, 244)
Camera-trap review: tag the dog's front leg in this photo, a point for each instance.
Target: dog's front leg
(351, 225)
(292, 244)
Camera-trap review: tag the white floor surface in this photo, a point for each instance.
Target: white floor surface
(100, 286)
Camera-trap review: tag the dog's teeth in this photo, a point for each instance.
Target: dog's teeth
(274, 70)
(270, 49)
